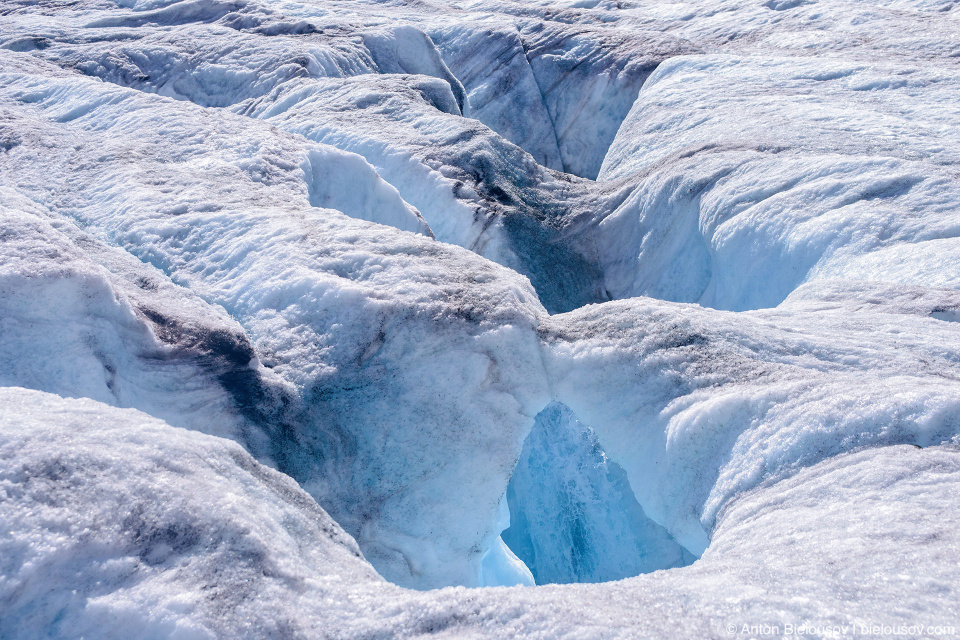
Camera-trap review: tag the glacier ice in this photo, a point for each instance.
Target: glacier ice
(330, 325)
(573, 515)
(318, 316)
(84, 319)
(723, 402)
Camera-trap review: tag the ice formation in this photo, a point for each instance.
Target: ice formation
(324, 318)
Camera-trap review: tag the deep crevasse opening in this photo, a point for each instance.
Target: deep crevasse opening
(573, 516)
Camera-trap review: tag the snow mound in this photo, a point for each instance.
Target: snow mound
(117, 525)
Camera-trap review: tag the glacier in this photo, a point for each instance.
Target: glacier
(554, 319)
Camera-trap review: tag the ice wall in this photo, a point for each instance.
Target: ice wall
(573, 515)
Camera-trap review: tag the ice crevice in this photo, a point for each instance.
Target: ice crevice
(569, 513)
(572, 514)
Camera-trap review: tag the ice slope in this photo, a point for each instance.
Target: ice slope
(558, 92)
(501, 88)
(473, 188)
(83, 319)
(711, 404)
(759, 174)
(116, 526)
(588, 79)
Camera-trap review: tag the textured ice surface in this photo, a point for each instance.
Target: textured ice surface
(398, 253)
(83, 319)
(710, 404)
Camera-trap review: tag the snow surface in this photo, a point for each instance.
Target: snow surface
(552, 291)
(119, 525)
